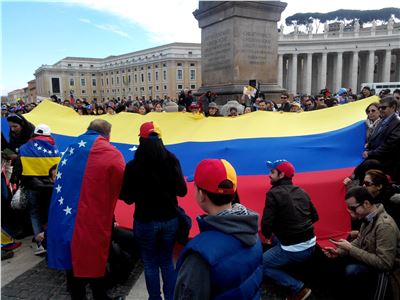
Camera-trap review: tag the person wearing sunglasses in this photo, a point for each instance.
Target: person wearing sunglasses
(384, 143)
(375, 251)
(285, 102)
(373, 118)
(380, 187)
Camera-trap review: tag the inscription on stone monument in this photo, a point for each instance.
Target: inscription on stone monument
(216, 50)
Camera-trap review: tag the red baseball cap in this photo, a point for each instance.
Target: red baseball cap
(150, 130)
(282, 165)
(210, 173)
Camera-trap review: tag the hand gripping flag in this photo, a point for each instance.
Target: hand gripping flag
(85, 192)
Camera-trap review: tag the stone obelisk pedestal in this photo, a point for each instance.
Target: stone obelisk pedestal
(239, 42)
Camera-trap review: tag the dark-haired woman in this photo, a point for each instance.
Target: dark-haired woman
(21, 130)
(153, 180)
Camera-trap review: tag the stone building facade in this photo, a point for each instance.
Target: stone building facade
(307, 63)
(152, 73)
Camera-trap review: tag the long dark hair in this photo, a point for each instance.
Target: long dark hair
(26, 131)
(151, 152)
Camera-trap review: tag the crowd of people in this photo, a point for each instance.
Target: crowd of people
(71, 221)
(207, 103)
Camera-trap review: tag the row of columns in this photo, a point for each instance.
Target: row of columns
(288, 70)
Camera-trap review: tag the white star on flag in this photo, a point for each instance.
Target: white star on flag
(61, 200)
(55, 151)
(44, 150)
(49, 152)
(64, 162)
(82, 144)
(134, 148)
(58, 176)
(71, 151)
(58, 188)
(35, 144)
(67, 210)
(39, 148)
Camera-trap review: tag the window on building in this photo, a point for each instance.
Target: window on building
(129, 70)
(148, 67)
(156, 66)
(135, 78)
(165, 87)
(190, 52)
(94, 82)
(94, 92)
(192, 64)
(123, 71)
(129, 78)
(141, 68)
(107, 81)
(80, 65)
(102, 82)
(83, 92)
(69, 65)
(165, 74)
(157, 76)
(157, 87)
(83, 81)
(117, 79)
(117, 72)
(71, 82)
(112, 73)
(180, 86)
(149, 76)
(192, 86)
(150, 88)
(91, 66)
(142, 77)
(112, 80)
(164, 65)
(179, 74)
(179, 64)
(192, 74)
(55, 85)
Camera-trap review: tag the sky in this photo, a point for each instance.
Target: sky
(43, 32)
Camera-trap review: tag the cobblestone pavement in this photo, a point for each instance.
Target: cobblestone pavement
(41, 282)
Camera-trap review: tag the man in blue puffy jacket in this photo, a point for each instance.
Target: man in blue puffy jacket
(225, 260)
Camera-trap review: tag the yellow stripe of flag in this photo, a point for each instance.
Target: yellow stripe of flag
(38, 166)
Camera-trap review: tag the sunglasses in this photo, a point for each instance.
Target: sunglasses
(284, 97)
(383, 107)
(353, 208)
(371, 111)
(368, 183)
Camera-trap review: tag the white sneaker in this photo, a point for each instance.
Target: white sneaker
(39, 250)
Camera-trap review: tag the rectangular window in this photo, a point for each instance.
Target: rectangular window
(129, 78)
(112, 80)
(157, 76)
(117, 79)
(149, 76)
(135, 78)
(192, 74)
(164, 65)
(83, 92)
(192, 64)
(55, 85)
(179, 74)
(94, 82)
(94, 92)
(142, 77)
(80, 66)
(150, 88)
(107, 81)
(102, 82)
(179, 64)
(93, 74)
(180, 86)
(69, 65)
(71, 82)
(165, 87)
(83, 81)
(192, 86)
(165, 75)
(157, 87)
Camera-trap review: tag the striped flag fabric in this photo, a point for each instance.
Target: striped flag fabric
(86, 190)
(323, 145)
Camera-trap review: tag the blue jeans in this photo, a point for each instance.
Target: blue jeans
(156, 241)
(276, 258)
(38, 207)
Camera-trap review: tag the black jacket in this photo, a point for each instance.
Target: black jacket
(288, 213)
(154, 190)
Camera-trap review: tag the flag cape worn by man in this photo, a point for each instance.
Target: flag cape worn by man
(38, 155)
(85, 193)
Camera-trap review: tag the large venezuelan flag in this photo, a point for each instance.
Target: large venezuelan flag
(323, 145)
